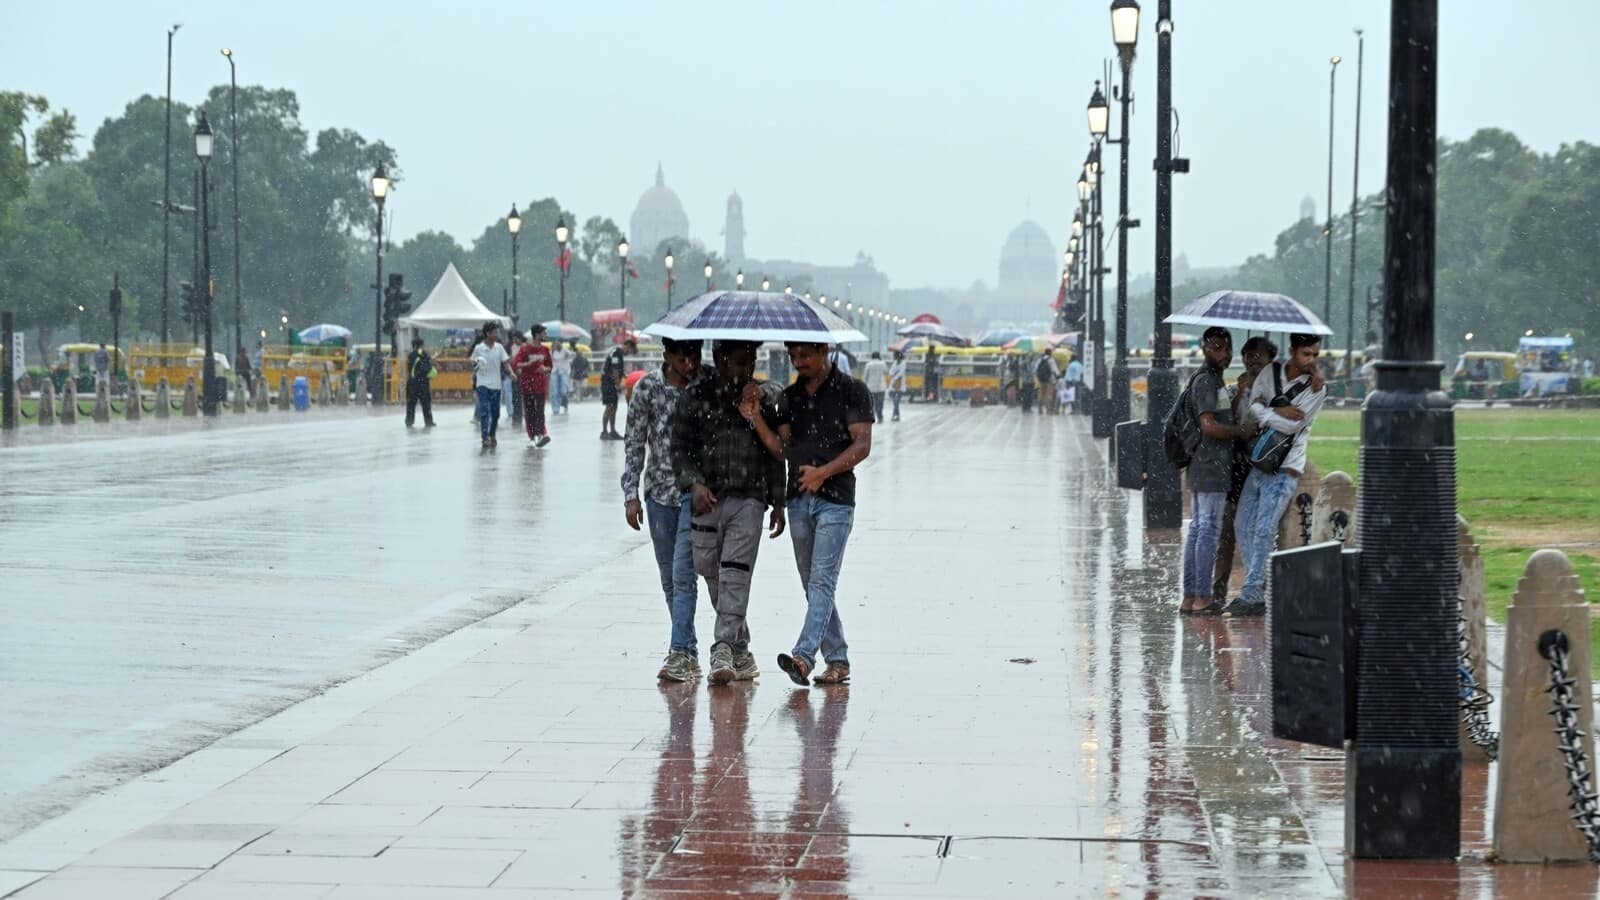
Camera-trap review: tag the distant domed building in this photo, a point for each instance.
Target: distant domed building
(1308, 208)
(1030, 270)
(658, 217)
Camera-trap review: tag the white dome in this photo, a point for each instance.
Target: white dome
(658, 217)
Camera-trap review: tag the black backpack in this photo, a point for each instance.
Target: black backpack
(1180, 433)
(1042, 370)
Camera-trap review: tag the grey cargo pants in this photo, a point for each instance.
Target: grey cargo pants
(725, 544)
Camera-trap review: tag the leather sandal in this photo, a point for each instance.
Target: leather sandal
(835, 673)
(796, 668)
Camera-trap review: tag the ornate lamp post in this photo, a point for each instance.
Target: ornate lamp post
(766, 284)
(622, 269)
(1125, 33)
(208, 367)
(514, 225)
(669, 261)
(708, 275)
(233, 129)
(561, 263)
(738, 280)
(380, 193)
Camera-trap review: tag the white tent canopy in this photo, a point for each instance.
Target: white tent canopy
(451, 304)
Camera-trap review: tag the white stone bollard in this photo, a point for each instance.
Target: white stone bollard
(1474, 608)
(1294, 529)
(263, 396)
(285, 396)
(132, 410)
(102, 403)
(163, 398)
(325, 391)
(1533, 813)
(191, 399)
(1333, 513)
(69, 404)
(362, 396)
(47, 403)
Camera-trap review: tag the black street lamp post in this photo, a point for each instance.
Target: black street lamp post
(208, 367)
(708, 275)
(166, 193)
(1327, 230)
(669, 261)
(1163, 489)
(115, 308)
(1125, 33)
(1403, 787)
(561, 264)
(233, 136)
(1355, 198)
(622, 269)
(514, 225)
(375, 367)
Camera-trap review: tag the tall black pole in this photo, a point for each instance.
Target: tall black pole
(115, 307)
(562, 303)
(233, 132)
(1103, 423)
(8, 378)
(1355, 197)
(1163, 496)
(516, 312)
(1121, 401)
(194, 268)
(622, 279)
(375, 381)
(1403, 768)
(1327, 231)
(166, 195)
(208, 367)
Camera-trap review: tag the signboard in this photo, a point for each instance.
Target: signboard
(18, 367)
(1089, 367)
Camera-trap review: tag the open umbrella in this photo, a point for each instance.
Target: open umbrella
(933, 331)
(997, 337)
(1070, 340)
(753, 316)
(565, 331)
(1028, 344)
(324, 334)
(1250, 311)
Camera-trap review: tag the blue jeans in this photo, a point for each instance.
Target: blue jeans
(896, 396)
(819, 530)
(669, 532)
(1261, 506)
(488, 411)
(1200, 548)
(558, 393)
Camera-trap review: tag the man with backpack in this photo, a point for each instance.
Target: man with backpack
(1256, 354)
(1046, 373)
(1285, 400)
(1208, 426)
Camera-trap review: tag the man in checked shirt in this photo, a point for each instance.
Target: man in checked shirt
(665, 507)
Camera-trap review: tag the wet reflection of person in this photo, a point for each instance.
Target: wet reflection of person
(731, 479)
(816, 808)
(641, 841)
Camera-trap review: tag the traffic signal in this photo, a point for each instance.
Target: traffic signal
(396, 302)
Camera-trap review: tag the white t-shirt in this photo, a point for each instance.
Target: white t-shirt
(876, 374)
(561, 360)
(1307, 401)
(487, 360)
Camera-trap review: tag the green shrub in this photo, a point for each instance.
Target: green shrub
(1591, 386)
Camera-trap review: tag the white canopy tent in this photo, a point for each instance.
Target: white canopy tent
(451, 304)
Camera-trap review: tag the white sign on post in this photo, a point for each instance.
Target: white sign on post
(1088, 362)
(18, 367)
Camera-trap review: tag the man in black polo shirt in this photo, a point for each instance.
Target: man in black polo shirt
(825, 431)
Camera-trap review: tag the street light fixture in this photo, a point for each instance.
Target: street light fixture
(208, 368)
(1125, 28)
(513, 225)
(380, 193)
(738, 280)
(669, 261)
(766, 285)
(561, 263)
(622, 269)
(1099, 113)
(1077, 217)
(709, 270)
(788, 290)
(1125, 33)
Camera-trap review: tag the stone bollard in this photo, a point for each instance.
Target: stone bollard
(285, 397)
(263, 396)
(1533, 810)
(191, 398)
(341, 391)
(1333, 513)
(1294, 529)
(325, 391)
(69, 404)
(102, 403)
(1474, 608)
(132, 408)
(361, 390)
(47, 403)
(241, 402)
(163, 398)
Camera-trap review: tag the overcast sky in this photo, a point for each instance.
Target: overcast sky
(920, 132)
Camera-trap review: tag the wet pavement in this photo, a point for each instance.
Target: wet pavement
(1029, 717)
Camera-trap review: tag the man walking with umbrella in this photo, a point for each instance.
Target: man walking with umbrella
(731, 479)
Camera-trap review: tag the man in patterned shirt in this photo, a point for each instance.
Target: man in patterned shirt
(665, 507)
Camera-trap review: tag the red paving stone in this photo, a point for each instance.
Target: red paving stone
(1131, 757)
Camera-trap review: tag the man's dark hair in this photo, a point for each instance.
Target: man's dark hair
(1260, 343)
(630, 342)
(536, 329)
(682, 348)
(1296, 341)
(815, 345)
(877, 355)
(490, 326)
(416, 342)
(1217, 333)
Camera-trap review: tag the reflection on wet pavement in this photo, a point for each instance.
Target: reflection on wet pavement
(1029, 717)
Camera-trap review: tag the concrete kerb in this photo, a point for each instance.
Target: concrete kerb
(157, 794)
(1533, 815)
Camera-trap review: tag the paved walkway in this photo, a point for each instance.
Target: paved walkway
(1029, 719)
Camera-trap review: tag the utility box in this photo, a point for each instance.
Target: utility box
(1130, 455)
(1311, 626)
(302, 393)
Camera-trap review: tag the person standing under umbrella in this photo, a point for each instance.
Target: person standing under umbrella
(731, 478)
(1207, 404)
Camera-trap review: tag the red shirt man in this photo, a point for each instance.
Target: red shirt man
(533, 365)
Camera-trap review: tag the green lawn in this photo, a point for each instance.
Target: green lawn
(1525, 479)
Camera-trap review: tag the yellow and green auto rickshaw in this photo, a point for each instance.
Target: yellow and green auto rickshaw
(1485, 375)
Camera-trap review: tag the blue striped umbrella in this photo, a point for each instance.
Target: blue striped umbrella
(753, 316)
(1250, 311)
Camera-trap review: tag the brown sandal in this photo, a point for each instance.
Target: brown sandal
(835, 673)
(796, 668)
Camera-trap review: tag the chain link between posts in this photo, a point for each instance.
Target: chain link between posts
(1475, 698)
(1585, 802)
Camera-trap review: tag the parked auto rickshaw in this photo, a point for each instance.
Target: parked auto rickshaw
(1485, 375)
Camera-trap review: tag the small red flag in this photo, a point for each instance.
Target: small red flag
(632, 272)
(564, 261)
(1061, 297)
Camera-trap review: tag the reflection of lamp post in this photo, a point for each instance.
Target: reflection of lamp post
(561, 263)
(669, 261)
(514, 225)
(208, 367)
(380, 193)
